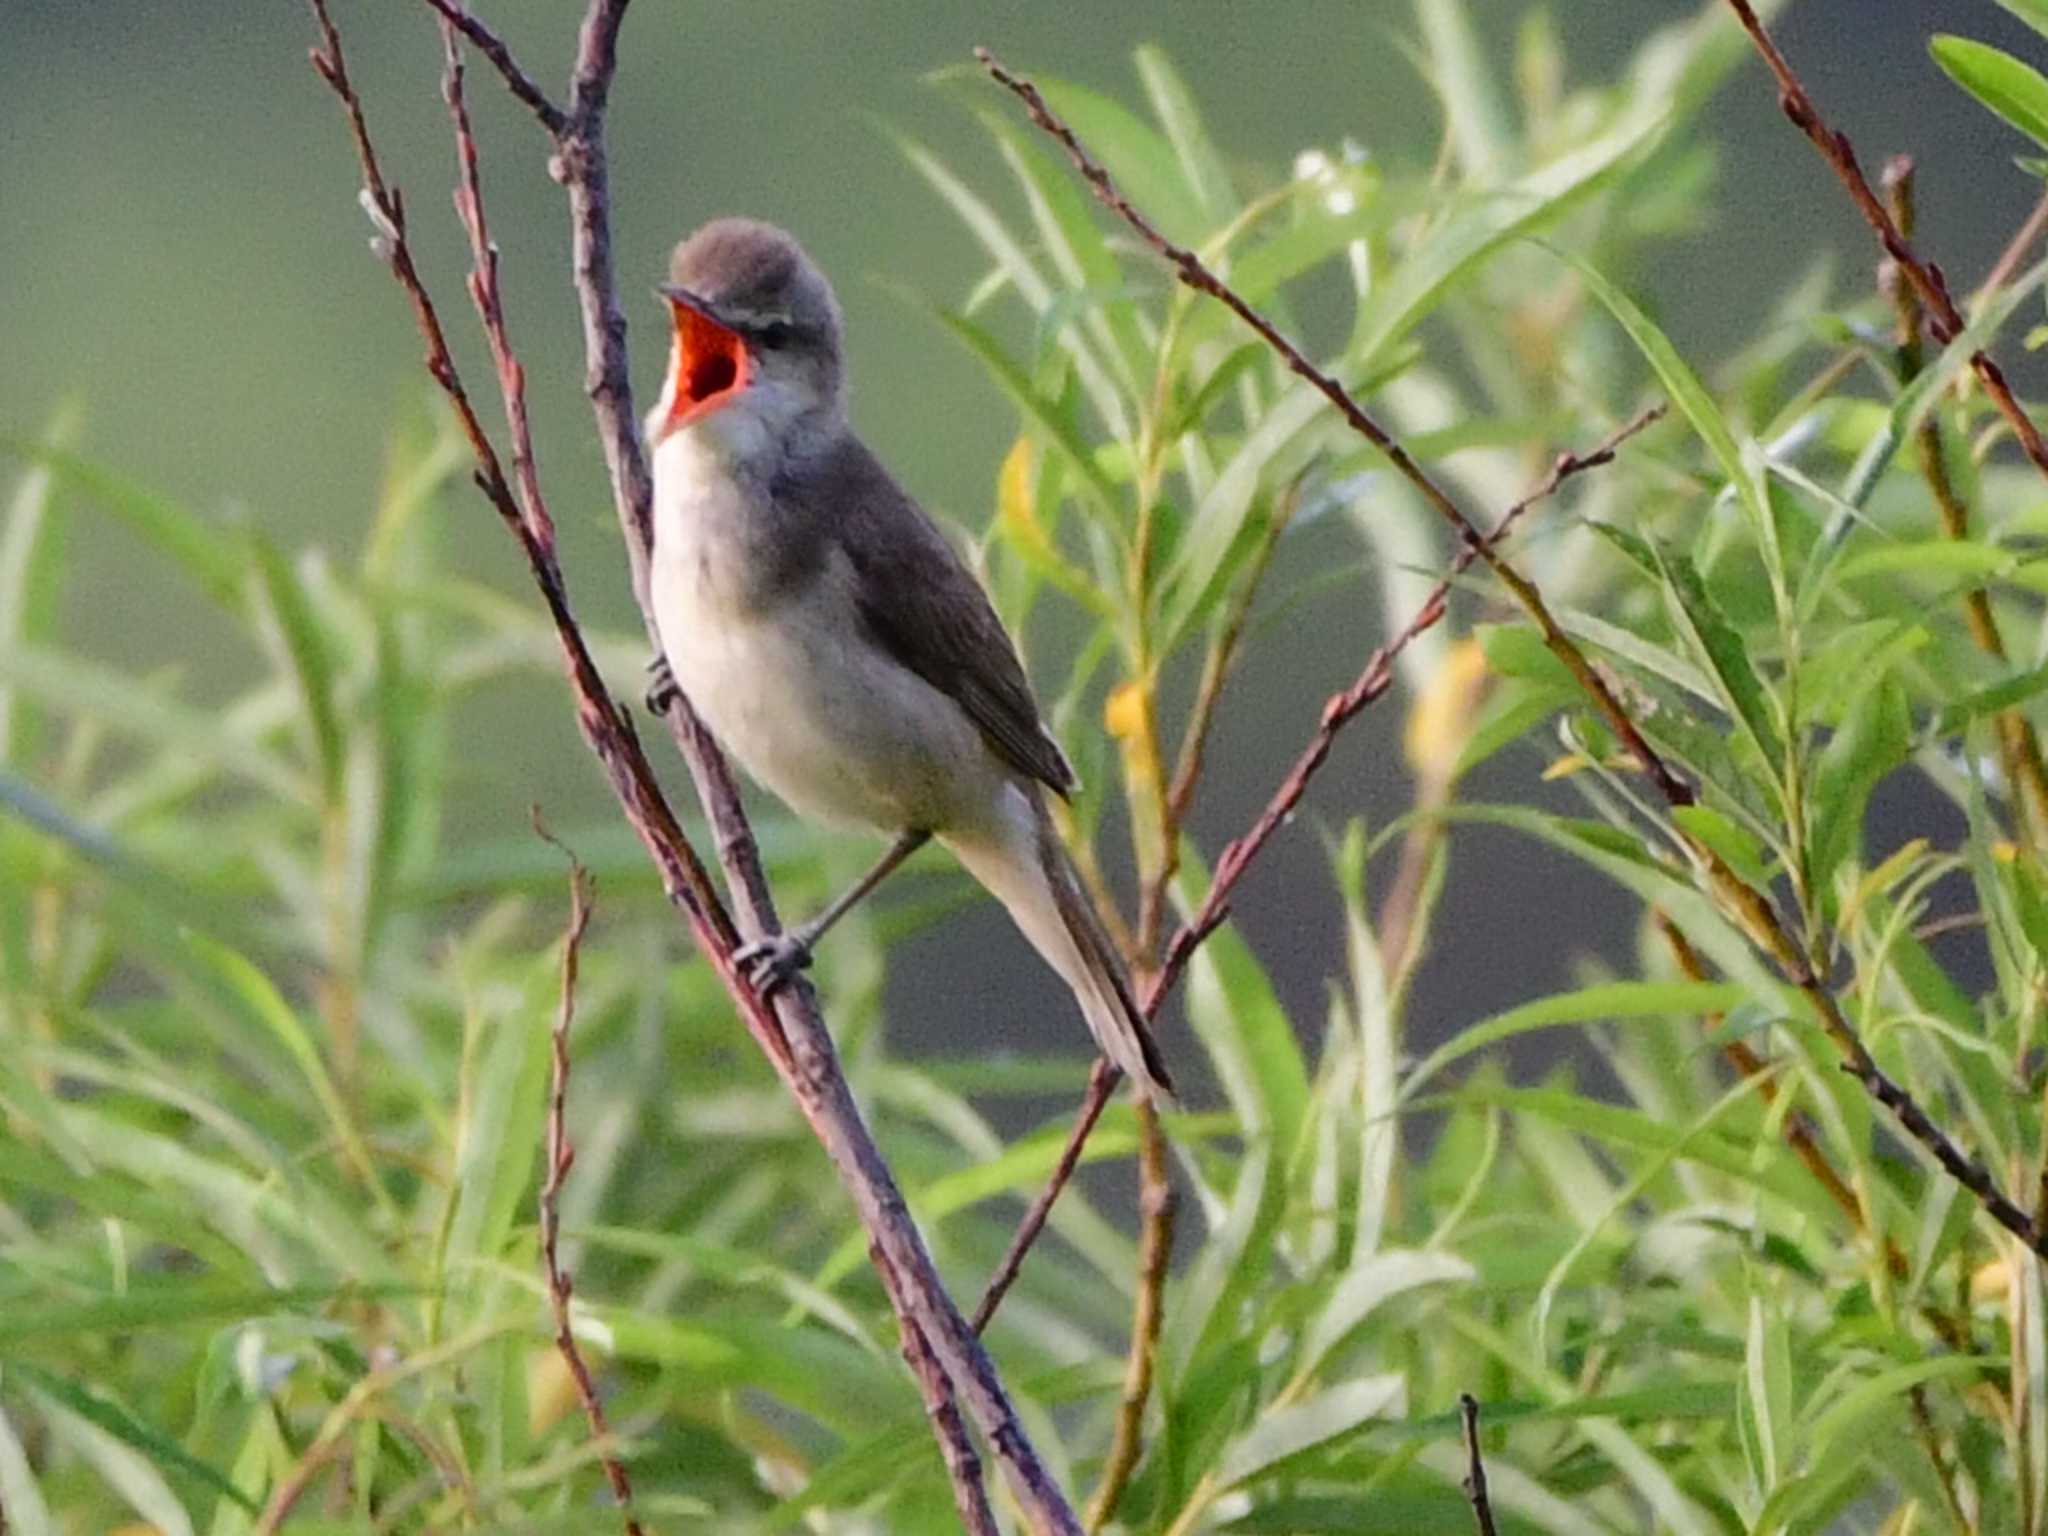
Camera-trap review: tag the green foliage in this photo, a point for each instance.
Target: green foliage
(273, 1027)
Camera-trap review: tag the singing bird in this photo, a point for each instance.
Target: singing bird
(829, 634)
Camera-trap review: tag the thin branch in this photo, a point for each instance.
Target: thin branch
(2024, 239)
(1159, 1203)
(1339, 709)
(1475, 1465)
(1193, 271)
(2018, 746)
(1945, 320)
(493, 48)
(1745, 904)
(561, 1155)
(791, 1034)
(963, 1466)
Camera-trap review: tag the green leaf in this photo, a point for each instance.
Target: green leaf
(27, 1512)
(32, 559)
(1201, 167)
(65, 681)
(1473, 108)
(1247, 1033)
(288, 616)
(1025, 277)
(1475, 229)
(1043, 413)
(1586, 1005)
(2014, 90)
(2033, 12)
(495, 1148)
(1873, 739)
(1144, 165)
(258, 999)
(1282, 1434)
(1720, 647)
(1736, 846)
(212, 559)
(1742, 467)
(127, 1472)
(122, 1422)
(1377, 1278)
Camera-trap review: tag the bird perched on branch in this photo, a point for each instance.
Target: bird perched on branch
(829, 634)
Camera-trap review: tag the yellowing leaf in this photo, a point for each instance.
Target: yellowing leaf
(1442, 716)
(1566, 766)
(1123, 712)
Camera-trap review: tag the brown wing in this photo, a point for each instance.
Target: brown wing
(923, 605)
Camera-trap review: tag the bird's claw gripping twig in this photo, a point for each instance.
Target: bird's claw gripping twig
(661, 686)
(773, 961)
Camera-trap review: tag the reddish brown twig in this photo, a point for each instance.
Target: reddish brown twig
(1192, 270)
(561, 1155)
(1944, 320)
(1338, 711)
(956, 1449)
(1475, 1465)
(2018, 746)
(494, 49)
(1750, 908)
(791, 1033)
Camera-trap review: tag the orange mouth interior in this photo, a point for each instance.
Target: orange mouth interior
(710, 366)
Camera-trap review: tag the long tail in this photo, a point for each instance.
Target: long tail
(1026, 867)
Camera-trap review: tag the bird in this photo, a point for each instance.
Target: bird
(831, 637)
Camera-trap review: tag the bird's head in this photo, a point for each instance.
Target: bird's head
(757, 334)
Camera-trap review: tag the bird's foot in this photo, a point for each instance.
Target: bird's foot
(774, 961)
(661, 686)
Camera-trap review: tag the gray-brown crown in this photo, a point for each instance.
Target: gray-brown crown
(754, 273)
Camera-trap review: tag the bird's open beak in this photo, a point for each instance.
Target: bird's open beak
(709, 365)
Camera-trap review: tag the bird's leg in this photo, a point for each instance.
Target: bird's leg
(661, 685)
(771, 961)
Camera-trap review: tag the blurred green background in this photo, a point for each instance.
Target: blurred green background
(182, 255)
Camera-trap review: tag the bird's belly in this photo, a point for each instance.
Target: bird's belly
(799, 694)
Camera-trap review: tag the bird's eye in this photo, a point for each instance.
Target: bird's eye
(774, 333)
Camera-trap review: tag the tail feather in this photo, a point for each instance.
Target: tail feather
(1027, 868)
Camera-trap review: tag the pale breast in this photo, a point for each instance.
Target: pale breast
(787, 677)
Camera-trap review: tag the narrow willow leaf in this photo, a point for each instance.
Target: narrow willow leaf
(1143, 163)
(1873, 739)
(1285, 1433)
(1742, 467)
(127, 1471)
(27, 1512)
(2014, 90)
(124, 1424)
(287, 615)
(2033, 12)
(1587, 1005)
(1043, 413)
(496, 1150)
(1201, 167)
(70, 683)
(212, 559)
(1473, 109)
(32, 562)
(1374, 1279)
(1024, 276)
(1914, 402)
(258, 998)
(1719, 646)
(1249, 1038)
(1474, 231)
(1067, 225)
